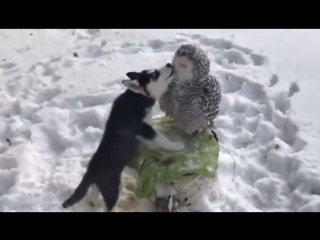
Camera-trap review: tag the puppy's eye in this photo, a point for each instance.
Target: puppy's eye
(182, 65)
(151, 76)
(156, 74)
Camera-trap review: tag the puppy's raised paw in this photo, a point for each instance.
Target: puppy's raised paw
(177, 146)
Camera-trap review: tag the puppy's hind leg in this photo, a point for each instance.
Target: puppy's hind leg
(110, 189)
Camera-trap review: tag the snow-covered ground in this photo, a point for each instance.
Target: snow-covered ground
(57, 87)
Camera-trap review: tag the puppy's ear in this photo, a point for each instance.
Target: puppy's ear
(133, 75)
(133, 85)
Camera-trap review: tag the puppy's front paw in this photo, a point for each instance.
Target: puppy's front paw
(177, 146)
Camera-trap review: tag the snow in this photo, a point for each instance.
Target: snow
(57, 87)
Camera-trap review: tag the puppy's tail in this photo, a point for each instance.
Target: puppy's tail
(80, 191)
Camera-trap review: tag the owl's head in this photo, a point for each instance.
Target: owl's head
(191, 62)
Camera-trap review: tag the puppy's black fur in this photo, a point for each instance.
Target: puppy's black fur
(119, 143)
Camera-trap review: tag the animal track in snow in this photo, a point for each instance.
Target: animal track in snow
(8, 162)
(161, 46)
(47, 95)
(8, 172)
(229, 55)
(7, 65)
(224, 45)
(273, 80)
(254, 102)
(84, 101)
(226, 54)
(251, 118)
(294, 88)
(47, 69)
(93, 31)
(8, 68)
(257, 59)
(154, 45)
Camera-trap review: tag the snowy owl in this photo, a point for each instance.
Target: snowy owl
(192, 101)
(193, 97)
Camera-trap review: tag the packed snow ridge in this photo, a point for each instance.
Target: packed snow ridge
(57, 87)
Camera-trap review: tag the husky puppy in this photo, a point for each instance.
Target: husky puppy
(129, 123)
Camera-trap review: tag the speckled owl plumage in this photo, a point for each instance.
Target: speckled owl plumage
(194, 102)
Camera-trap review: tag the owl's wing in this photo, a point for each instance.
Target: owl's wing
(198, 107)
(209, 98)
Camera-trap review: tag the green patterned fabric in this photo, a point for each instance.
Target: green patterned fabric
(155, 166)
